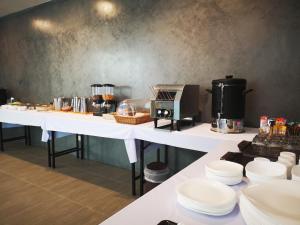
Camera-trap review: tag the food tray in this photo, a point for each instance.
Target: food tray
(271, 152)
(138, 119)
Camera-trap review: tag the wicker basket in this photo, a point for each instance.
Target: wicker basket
(133, 119)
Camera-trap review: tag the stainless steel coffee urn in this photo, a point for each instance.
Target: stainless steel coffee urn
(228, 104)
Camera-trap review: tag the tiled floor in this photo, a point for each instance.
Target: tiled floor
(77, 192)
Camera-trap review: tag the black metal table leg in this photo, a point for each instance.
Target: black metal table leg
(26, 135)
(77, 146)
(1, 138)
(166, 154)
(178, 125)
(141, 167)
(82, 146)
(29, 135)
(158, 155)
(49, 153)
(133, 179)
(53, 148)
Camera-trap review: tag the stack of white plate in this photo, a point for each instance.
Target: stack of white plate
(266, 205)
(262, 171)
(296, 173)
(206, 196)
(226, 172)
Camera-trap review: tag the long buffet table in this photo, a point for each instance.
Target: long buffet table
(161, 204)
(198, 138)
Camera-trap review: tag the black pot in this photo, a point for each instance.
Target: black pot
(228, 98)
(3, 97)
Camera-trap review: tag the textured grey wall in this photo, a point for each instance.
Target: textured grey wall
(149, 42)
(158, 41)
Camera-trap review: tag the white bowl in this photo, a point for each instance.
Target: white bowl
(261, 159)
(224, 168)
(286, 158)
(296, 173)
(288, 165)
(224, 180)
(260, 171)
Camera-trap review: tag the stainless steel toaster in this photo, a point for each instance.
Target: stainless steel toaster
(174, 103)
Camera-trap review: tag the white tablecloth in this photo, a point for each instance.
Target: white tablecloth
(198, 138)
(92, 126)
(30, 118)
(161, 204)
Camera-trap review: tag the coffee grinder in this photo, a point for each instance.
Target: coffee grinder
(109, 103)
(97, 99)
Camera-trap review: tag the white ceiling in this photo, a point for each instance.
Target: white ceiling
(11, 6)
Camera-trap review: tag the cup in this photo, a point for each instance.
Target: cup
(288, 164)
(289, 155)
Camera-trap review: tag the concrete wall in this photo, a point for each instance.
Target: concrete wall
(145, 42)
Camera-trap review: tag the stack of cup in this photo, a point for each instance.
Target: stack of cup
(289, 160)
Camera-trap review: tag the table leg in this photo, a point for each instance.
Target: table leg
(141, 167)
(158, 155)
(1, 138)
(133, 179)
(29, 135)
(49, 153)
(166, 154)
(53, 148)
(82, 146)
(26, 135)
(77, 146)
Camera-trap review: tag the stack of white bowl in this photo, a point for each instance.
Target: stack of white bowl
(289, 160)
(264, 204)
(296, 173)
(262, 171)
(261, 159)
(206, 197)
(226, 172)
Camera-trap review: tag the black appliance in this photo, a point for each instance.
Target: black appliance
(3, 97)
(228, 104)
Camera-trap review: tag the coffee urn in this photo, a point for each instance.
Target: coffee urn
(228, 104)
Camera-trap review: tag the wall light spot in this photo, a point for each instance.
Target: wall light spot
(106, 9)
(42, 25)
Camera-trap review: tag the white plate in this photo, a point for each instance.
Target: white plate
(224, 168)
(279, 200)
(212, 212)
(207, 193)
(224, 180)
(261, 170)
(296, 173)
(252, 215)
